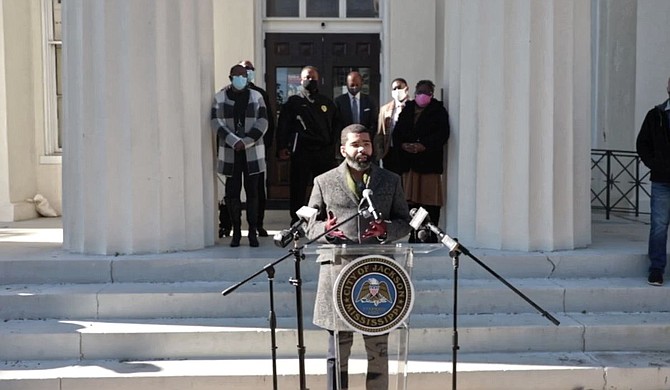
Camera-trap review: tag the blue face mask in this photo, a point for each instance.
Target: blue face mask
(239, 82)
(250, 75)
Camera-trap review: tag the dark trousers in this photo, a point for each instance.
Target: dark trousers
(305, 167)
(234, 187)
(262, 198)
(377, 377)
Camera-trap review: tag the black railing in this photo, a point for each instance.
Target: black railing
(618, 179)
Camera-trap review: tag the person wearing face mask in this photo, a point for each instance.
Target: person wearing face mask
(337, 195)
(307, 135)
(267, 140)
(653, 147)
(356, 107)
(388, 116)
(239, 120)
(421, 132)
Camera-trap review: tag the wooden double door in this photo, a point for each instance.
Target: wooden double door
(335, 55)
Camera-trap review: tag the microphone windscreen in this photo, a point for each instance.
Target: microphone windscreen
(418, 218)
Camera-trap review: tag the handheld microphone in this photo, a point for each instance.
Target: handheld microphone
(420, 218)
(371, 208)
(284, 237)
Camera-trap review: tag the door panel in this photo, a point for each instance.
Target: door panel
(335, 55)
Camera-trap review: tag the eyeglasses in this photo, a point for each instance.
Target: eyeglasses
(424, 93)
(398, 87)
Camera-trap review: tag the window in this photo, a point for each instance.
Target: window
(322, 8)
(53, 86)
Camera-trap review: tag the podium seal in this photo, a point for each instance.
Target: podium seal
(373, 295)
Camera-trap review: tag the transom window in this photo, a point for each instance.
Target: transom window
(322, 8)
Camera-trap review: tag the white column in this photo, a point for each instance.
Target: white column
(18, 177)
(518, 75)
(138, 157)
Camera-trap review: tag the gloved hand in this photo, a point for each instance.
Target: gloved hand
(330, 223)
(376, 229)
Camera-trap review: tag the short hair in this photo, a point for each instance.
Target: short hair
(426, 82)
(236, 66)
(399, 79)
(355, 128)
(310, 67)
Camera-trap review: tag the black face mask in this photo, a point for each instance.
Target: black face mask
(354, 91)
(311, 86)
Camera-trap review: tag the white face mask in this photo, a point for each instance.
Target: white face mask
(399, 94)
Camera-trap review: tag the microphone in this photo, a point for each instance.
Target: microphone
(371, 208)
(284, 237)
(420, 218)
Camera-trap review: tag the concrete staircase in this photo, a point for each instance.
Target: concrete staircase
(74, 322)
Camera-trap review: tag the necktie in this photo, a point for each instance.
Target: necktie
(354, 110)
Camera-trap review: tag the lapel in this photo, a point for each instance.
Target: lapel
(375, 181)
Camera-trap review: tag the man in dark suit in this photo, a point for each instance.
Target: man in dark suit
(337, 195)
(355, 107)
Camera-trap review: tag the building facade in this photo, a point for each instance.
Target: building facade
(103, 104)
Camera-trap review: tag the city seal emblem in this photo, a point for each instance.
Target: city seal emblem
(373, 295)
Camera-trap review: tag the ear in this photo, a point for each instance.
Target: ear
(343, 151)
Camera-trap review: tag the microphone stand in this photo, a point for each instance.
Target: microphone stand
(296, 281)
(455, 249)
(270, 270)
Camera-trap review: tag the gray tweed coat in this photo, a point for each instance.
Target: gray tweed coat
(331, 193)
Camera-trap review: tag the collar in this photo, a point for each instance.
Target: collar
(357, 96)
(357, 188)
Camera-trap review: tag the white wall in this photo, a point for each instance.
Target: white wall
(653, 57)
(234, 37)
(411, 45)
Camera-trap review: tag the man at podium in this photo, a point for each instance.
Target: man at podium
(359, 187)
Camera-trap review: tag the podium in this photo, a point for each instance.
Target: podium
(367, 289)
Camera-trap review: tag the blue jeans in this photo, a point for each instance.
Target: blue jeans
(660, 217)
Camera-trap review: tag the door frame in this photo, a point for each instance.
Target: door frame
(316, 49)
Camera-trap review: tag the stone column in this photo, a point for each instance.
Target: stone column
(18, 180)
(519, 87)
(138, 157)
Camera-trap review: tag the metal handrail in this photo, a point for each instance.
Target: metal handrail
(617, 177)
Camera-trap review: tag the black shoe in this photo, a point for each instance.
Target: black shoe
(655, 277)
(262, 232)
(253, 241)
(235, 241)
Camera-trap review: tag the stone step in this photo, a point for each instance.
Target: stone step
(221, 264)
(519, 371)
(204, 299)
(204, 338)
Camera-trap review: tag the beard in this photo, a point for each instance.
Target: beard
(360, 162)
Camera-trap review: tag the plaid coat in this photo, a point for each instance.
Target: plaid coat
(255, 126)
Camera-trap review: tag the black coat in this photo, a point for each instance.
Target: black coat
(653, 143)
(431, 130)
(315, 123)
